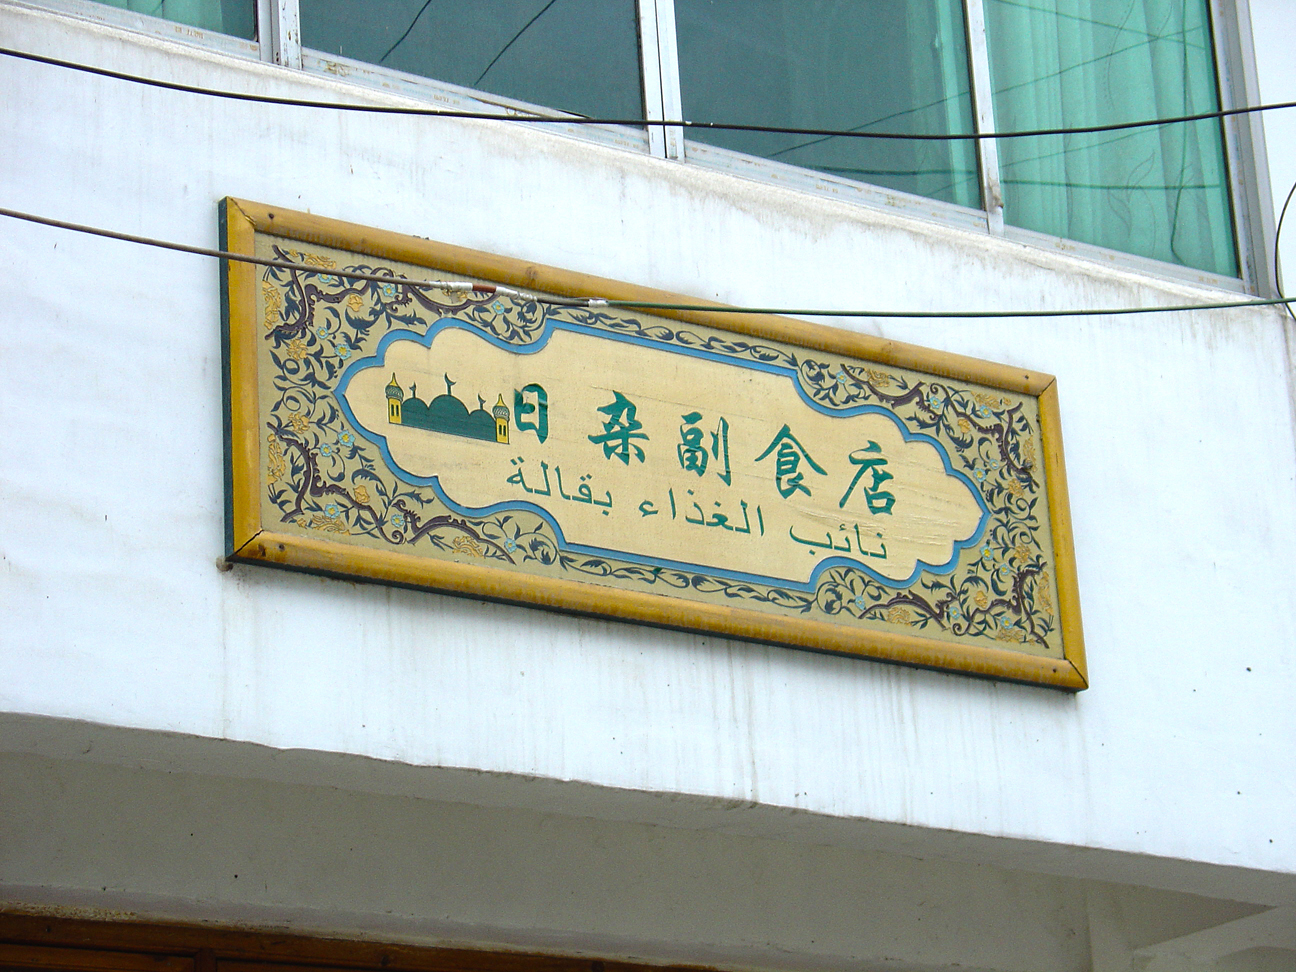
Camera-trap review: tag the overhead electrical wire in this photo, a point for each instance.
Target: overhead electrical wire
(662, 123)
(1277, 260)
(464, 286)
(460, 286)
(636, 122)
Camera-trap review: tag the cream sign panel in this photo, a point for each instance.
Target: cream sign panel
(761, 478)
(665, 456)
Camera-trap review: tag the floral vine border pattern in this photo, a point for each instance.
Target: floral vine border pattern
(321, 477)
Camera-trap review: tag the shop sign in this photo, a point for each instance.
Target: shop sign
(759, 477)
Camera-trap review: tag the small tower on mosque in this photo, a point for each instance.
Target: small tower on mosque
(395, 395)
(501, 413)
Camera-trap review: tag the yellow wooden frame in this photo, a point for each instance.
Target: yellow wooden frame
(249, 540)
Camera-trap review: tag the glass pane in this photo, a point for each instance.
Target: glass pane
(888, 65)
(580, 56)
(236, 17)
(1158, 192)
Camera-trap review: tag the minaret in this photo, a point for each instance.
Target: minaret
(395, 395)
(501, 413)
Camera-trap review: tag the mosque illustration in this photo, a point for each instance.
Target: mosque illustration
(446, 413)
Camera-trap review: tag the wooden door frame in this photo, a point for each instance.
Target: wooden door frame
(36, 942)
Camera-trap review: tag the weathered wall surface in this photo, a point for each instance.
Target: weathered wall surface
(517, 877)
(1178, 434)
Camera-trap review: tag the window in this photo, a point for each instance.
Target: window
(895, 65)
(579, 56)
(234, 17)
(1157, 192)
(944, 67)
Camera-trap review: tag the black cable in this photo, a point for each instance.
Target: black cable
(637, 122)
(1276, 261)
(278, 264)
(941, 315)
(513, 40)
(400, 40)
(626, 304)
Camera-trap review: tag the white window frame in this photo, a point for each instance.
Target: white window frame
(165, 30)
(279, 42)
(1244, 144)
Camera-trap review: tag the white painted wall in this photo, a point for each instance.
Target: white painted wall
(1179, 444)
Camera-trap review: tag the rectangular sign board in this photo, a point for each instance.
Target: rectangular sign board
(755, 476)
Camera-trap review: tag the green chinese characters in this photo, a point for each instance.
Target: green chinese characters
(620, 430)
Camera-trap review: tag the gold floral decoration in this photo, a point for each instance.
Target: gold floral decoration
(1028, 453)
(880, 379)
(327, 524)
(466, 545)
(273, 301)
(315, 260)
(277, 465)
(1043, 591)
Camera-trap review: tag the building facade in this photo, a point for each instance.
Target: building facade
(191, 745)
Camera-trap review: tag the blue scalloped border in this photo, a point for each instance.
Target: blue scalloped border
(552, 325)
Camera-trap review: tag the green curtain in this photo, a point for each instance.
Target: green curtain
(580, 56)
(237, 17)
(890, 65)
(1159, 192)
